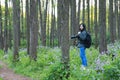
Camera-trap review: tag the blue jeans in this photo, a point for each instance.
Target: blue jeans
(83, 56)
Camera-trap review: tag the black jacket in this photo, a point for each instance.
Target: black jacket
(81, 37)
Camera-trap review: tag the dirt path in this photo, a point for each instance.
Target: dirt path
(8, 74)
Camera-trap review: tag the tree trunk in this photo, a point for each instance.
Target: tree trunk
(65, 33)
(96, 25)
(78, 16)
(74, 27)
(88, 9)
(10, 36)
(43, 23)
(115, 20)
(28, 25)
(48, 27)
(102, 25)
(83, 15)
(92, 17)
(1, 32)
(6, 28)
(119, 20)
(59, 22)
(52, 27)
(33, 29)
(111, 21)
(16, 24)
(22, 22)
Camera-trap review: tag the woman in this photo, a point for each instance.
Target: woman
(81, 37)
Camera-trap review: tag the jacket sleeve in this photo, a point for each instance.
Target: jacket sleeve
(83, 35)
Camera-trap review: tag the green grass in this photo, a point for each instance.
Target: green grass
(0, 66)
(1, 78)
(48, 65)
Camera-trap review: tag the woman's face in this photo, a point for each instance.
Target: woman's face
(81, 27)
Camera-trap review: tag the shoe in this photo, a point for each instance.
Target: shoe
(83, 67)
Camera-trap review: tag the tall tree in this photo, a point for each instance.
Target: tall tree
(111, 21)
(88, 10)
(43, 16)
(74, 27)
(16, 24)
(65, 32)
(83, 15)
(22, 21)
(102, 25)
(52, 34)
(33, 29)
(115, 19)
(10, 28)
(92, 16)
(28, 25)
(78, 15)
(6, 27)
(59, 21)
(119, 20)
(1, 32)
(96, 25)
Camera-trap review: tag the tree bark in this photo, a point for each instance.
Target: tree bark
(43, 23)
(111, 14)
(78, 15)
(28, 25)
(115, 20)
(65, 32)
(96, 25)
(16, 24)
(83, 15)
(1, 28)
(74, 27)
(6, 28)
(10, 35)
(102, 25)
(59, 21)
(88, 9)
(119, 20)
(33, 29)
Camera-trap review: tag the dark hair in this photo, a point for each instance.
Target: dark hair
(84, 26)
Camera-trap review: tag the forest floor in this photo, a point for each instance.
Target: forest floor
(8, 74)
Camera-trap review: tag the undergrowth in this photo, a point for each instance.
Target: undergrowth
(48, 65)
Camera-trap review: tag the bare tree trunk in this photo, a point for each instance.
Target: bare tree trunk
(74, 27)
(43, 22)
(96, 25)
(48, 27)
(16, 24)
(119, 20)
(1, 32)
(33, 29)
(88, 9)
(65, 33)
(92, 17)
(78, 16)
(52, 27)
(111, 21)
(102, 25)
(83, 15)
(115, 20)
(59, 21)
(6, 28)
(22, 22)
(28, 25)
(10, 36)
